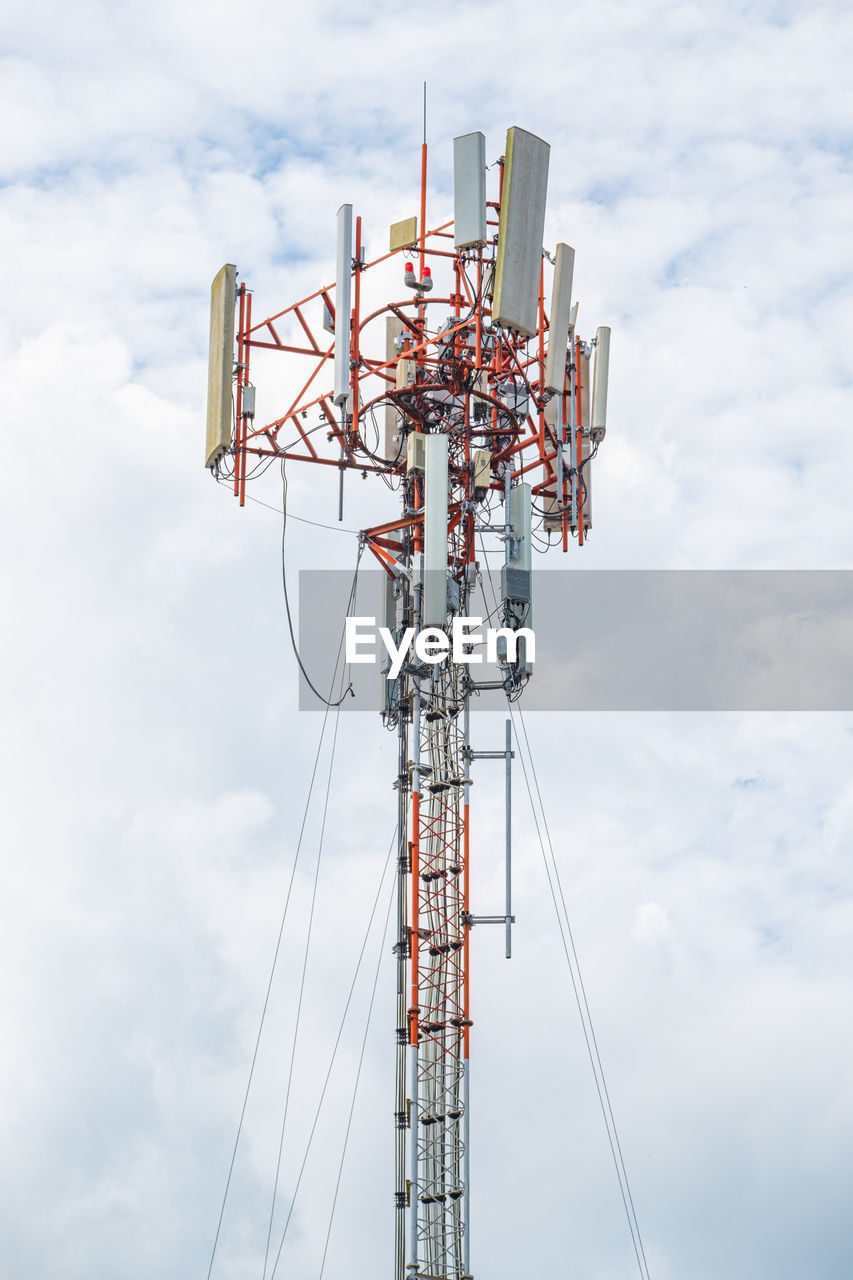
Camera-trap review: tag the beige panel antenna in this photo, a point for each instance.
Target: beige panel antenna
(521, 231)
(404, 235)
(220, 369)
(482, 472)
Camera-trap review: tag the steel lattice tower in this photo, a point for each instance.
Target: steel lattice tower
(489, 397)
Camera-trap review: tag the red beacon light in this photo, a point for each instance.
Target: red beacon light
(413, 282)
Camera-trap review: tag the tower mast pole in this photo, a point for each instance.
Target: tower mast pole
(465, 387)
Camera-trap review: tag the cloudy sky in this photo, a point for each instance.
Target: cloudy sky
(155, 765)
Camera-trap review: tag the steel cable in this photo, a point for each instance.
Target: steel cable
(337, 706)
(578, 987)
(276, 953)
(269, 989)
(333, 1058)
(308, 681)
(301, 990)
(579, 990)
(357, 1078)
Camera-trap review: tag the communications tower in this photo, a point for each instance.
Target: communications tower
(491, 409)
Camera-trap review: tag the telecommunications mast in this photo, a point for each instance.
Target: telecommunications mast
(493, 409)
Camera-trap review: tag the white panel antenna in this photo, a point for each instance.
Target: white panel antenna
(394, 329)
(520, 558)
(586, 389)
(599, 383)
(434, 602)
(573, 322)
(343, 305)
(522, 227)
(587, 492)
(561, 318)
(469, 190)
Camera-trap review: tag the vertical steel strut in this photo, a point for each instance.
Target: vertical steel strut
(402, 950)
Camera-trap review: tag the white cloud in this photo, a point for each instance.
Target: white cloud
(155, 764)
(650, 923)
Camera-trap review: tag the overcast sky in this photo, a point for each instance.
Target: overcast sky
(155, 765)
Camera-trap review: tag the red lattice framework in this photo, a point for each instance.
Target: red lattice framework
(467, 359)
